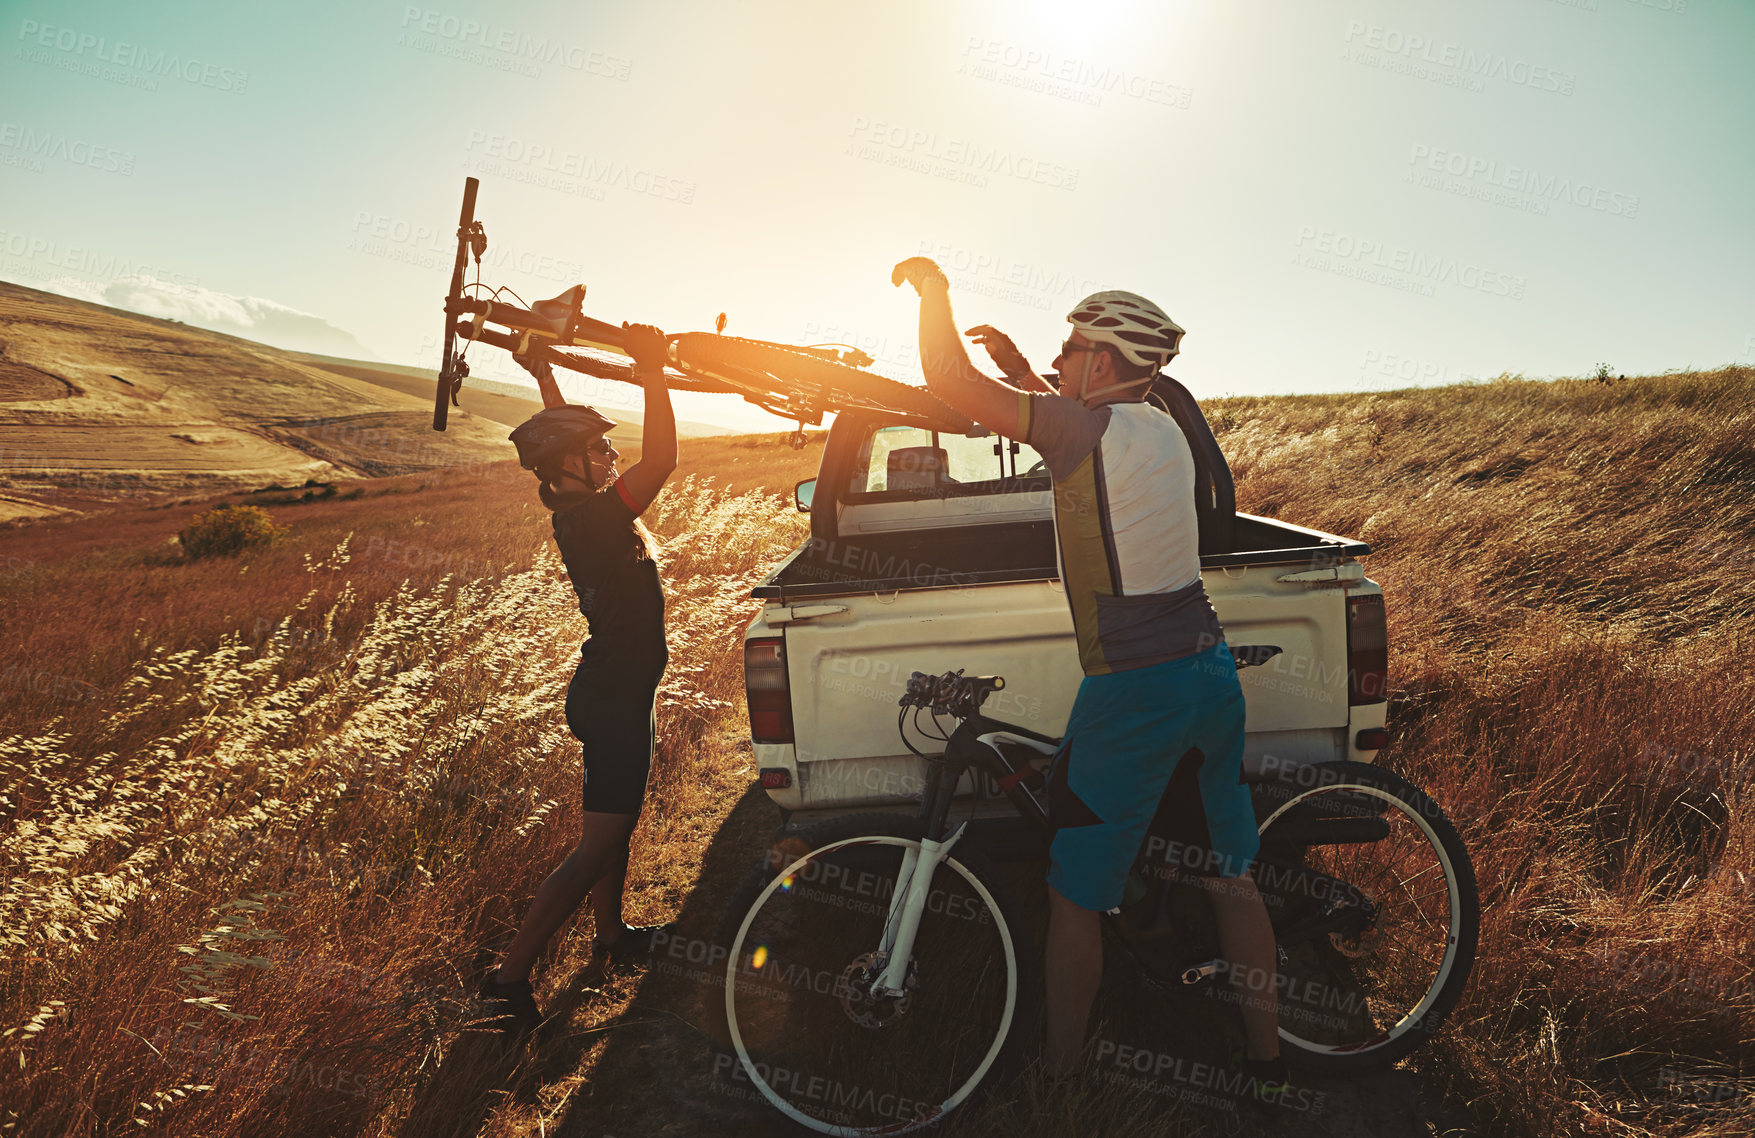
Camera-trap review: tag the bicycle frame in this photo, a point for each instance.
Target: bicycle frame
(976, 744)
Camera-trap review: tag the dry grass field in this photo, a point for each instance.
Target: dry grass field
(263, 821)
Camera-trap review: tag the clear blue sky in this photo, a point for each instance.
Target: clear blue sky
(1327, 194)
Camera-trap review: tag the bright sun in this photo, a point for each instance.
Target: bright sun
(1075, 25)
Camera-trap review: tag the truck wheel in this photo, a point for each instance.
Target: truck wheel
(804, 940)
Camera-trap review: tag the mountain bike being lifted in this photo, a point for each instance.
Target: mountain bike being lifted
(793, 382)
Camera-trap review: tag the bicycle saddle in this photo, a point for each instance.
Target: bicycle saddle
(560, 310)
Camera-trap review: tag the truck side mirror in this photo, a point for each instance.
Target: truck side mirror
(803, 493)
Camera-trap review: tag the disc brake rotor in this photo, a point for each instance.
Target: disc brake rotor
(1364, 938)
(861, 1005)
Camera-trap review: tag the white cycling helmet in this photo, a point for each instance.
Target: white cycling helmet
(1132, 325)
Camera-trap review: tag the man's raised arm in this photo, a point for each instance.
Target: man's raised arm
(949, 374)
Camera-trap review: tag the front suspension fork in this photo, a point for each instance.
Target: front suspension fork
(907, 904)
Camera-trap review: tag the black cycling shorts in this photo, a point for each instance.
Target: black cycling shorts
(611, 710)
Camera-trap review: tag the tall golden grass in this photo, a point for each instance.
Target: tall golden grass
(1568, 573)
(266, 820)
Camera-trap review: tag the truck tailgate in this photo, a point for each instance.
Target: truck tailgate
(849, 658)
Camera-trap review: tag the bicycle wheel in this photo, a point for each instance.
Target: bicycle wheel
(803, 934)
(1372, 897)
(803, 380)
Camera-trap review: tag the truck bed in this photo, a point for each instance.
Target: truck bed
(1013, 551)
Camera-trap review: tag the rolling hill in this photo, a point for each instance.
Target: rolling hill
(101, 407)
(491, 398)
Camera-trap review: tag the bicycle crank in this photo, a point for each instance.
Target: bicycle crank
(1206, 970)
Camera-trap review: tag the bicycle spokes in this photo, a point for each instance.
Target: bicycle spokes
(812, 1019)
(1366, 919)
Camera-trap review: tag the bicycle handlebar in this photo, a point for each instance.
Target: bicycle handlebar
(952, 693)
(449, 381)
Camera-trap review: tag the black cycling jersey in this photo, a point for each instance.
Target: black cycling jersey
(611, 700)
(618, 587)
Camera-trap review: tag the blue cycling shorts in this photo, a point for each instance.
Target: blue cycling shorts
(1164, 741)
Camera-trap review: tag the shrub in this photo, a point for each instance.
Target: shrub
(226, 531)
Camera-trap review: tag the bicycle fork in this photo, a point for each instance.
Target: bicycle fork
(907, 904)
(973, 744)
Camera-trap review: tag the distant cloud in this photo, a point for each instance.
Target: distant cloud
(252, 317)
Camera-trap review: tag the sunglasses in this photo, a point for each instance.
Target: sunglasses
(601, 446)
(1067, 348)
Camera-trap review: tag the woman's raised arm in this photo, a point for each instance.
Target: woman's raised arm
(645, 478)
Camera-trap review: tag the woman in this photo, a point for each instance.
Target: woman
(610, 704)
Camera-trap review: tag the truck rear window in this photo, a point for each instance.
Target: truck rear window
(907, 463)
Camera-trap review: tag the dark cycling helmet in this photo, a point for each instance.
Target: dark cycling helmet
(550, 434)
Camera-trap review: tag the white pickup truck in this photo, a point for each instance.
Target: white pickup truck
(932, 550)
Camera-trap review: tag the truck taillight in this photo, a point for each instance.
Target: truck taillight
(770, 696)
(1367, 650)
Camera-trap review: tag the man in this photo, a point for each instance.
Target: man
(1160, 688)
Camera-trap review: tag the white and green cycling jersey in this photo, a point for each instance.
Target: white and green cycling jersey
(1126, 534)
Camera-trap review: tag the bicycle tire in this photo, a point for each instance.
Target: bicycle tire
(1355, 793)
(758, 1033)
(806, 381)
